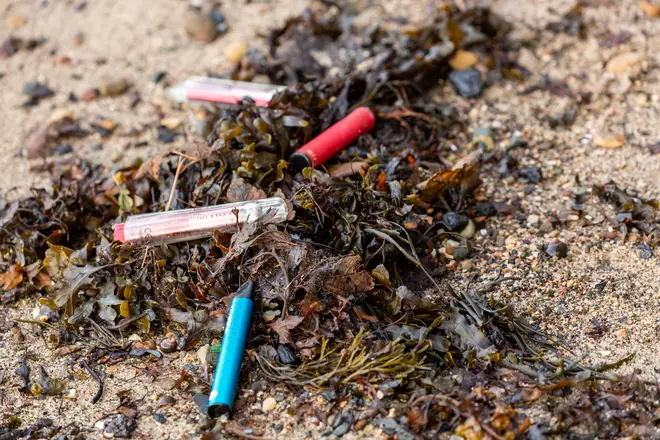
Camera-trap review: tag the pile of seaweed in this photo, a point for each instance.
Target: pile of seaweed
(351, 294)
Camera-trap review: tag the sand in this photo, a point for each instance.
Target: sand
(601, 299)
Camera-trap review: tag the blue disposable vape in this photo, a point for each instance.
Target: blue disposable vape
(228, 369)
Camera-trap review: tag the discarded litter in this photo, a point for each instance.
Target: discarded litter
(225, 382)
(223, 91)
(192, 224)
(334, 139)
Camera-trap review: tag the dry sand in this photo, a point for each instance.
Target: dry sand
(602, 298)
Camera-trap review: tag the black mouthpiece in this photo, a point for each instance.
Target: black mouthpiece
(246, 290)
(216, 411)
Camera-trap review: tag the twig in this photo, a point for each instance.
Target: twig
(491, 431)
(104, 336)
(233, 428)
(31, 321)
(176, 178)
(522, 368)
(286, 278)
(184, 155)
(412, 259)
(97, 378)
(433, 397)
(127, 322)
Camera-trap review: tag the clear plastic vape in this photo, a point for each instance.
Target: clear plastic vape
(192, 224)
(221, 90)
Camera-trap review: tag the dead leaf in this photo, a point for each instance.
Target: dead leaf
(283, 328)
(464, 175)
(7, 211)
(37, 143)
(42, 280)
(307, 343)
(125, 309)
(150, 166)
(75, 278)
(650, 9)
(470, 429)
(462, 60)
(272, 240)
(12, 278)
(57, 260)
(348, 278)
(363, 316)
(470, 337)
(347, 169)
(65, 351)
(239, 191)
(16, 22)
(143, 324)
(417, 419)
(381, 273)
(610, 142)
(456, 34)
(623, 62)
(531, 394)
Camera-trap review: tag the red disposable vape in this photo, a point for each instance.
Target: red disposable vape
(223, 91)
(333, 140)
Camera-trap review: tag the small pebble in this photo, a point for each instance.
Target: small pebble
(469, 230)
(37, 90)
(340, 430)
(160, 418)
(166, 383)
(268, 404)
(454, 221)
(166, 401)
(532, 220)
(201, 27)
(461, 253)
(546, 227)
(149, 345)
(557, 248)
(78, 38)
(644, 251)
(359, 425)
(17, 335)
(171, 123)
(467, 82)
(167, 345)
(486, 209)
(201, 315)
(236, 51)
(533, 174)
(158, 77)
(90, 95)
(270, 315)
(286, 355)
(112, 86)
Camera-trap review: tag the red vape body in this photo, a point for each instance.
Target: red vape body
(333, 140)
